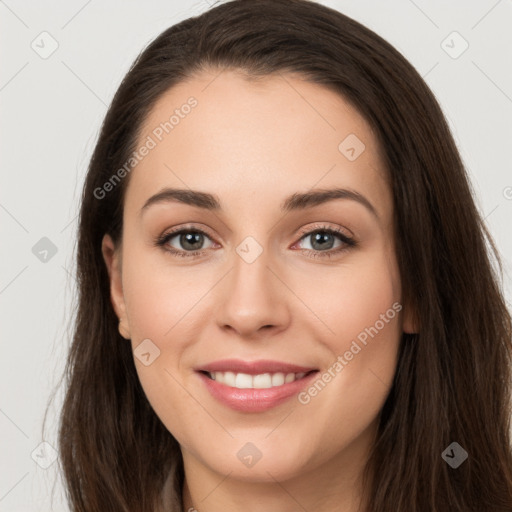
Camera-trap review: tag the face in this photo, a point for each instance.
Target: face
(307, 286)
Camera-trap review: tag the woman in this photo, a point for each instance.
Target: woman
(222, 358)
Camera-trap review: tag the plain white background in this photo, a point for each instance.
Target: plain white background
(52, 109)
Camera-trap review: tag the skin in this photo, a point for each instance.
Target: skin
(253, 144)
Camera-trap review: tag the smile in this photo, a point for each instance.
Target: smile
(254, 393)
(260, 381)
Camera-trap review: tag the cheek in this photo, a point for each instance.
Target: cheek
(157, 300)
(349, 299)
(165, 308)
(360, 305)
(370, 322)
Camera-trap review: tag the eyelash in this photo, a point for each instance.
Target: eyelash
(349, 242)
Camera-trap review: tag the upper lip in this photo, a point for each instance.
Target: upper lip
(253, 367)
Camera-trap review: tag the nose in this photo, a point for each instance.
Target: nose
(254, 299)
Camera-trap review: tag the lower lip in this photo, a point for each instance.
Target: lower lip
(251, 399)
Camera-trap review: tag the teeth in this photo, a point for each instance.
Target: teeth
(290, 377)
(243, 381)
(278, 379)
(261, 381)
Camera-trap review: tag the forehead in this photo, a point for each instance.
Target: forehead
(275, 135)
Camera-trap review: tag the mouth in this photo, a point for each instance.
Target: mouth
(258, 381)
(254, 386)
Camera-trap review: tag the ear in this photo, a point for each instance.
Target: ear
(410, 320)
(112, 257)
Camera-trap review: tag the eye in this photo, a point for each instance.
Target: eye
(190, 239)
(322, 240)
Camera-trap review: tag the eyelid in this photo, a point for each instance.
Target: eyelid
(323, 226)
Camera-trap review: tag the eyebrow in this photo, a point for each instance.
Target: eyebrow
(297, 201)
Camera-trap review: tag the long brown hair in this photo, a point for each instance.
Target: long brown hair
(453, 379)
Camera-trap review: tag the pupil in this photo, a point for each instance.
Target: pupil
(189, 239)
(319, 237)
